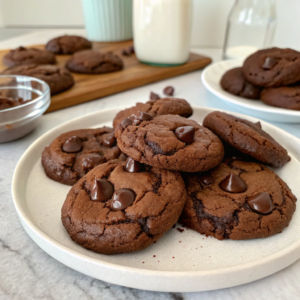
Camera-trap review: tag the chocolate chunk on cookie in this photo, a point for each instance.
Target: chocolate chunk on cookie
(234, 83)
(170, 142)
(27, 56)
(93, 62)
(254, 203)
(164, 106)
(71, 155)
(111, 210)
(272, 67)
(284, 97)
(247, 137)
(68, 44)
(58, 79)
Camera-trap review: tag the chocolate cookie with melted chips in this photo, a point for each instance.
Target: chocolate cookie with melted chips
(114, 210)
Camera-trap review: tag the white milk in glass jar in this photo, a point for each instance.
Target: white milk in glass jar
(162, 31)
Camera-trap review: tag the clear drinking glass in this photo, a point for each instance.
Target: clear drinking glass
(250, 27)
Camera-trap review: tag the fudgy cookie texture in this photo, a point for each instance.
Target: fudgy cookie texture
(68, 44)
(27, 56)
(93, 62)
(234, 83)
(247, 137)
(284, 96)
(164, 106)
(128, 212)
(272, 67)
(169, 142)
(238, 200)
(58, 79)
(71, 155)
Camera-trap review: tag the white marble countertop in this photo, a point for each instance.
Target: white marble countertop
(27, 272)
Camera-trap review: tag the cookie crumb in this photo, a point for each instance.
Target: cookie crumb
(180, 230)
(154, 255)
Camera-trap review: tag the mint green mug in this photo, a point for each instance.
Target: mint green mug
(108, 20)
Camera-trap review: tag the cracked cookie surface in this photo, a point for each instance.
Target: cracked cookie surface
(159, 199)
(247, 137)
(94, 62)
(155, 143)
(212, 211)
(284, 96)
(68, 168)
(57, 78)
(68, 44)
(234, 83)
(26, 56)
(272, 67)
(164, 106)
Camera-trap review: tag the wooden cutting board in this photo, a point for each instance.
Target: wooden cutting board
(134, 74)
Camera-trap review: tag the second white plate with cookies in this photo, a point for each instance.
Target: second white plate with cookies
(211, 78)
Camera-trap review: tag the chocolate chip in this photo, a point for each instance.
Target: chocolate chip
(233, 184)
(90, 160)
(122, 199)
(269, 63)
(72, 145)
(102, 190)
(124, 52)
(143, 116)
(169, 91)
(206, 179)
(261, 203)
(132, 166)
(109, 140)
(154, 96)
(126, 122)
(131, 49)
(185, 134)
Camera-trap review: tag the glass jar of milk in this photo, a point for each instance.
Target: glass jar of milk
(250, 27)
(162, 31)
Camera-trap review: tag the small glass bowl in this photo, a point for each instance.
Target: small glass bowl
(18, 121)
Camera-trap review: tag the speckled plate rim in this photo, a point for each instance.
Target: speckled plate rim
(211, 78)
(165, 281)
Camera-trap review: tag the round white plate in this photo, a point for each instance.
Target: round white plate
(211, 78)
(179, 261)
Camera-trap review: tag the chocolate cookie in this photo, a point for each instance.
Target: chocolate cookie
(284, 96)
(170, 142)
(71, 155)
(238, 200)
(165, 106)
(272, 67)
(247, 137)
(234, 83)
(114, 210)
(93, 62)
(58, 79)
(68, 44)
(27, 56)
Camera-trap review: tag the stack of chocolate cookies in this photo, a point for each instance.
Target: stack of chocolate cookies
(271, 75)
(133, 183)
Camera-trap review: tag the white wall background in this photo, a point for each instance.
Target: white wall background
(208, 24)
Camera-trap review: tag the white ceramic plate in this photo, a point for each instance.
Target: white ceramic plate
(178, 262)
(211, 78)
